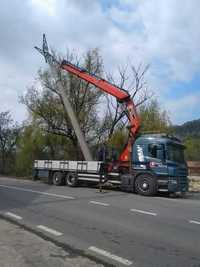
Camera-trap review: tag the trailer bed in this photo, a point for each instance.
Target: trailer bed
(85, 170)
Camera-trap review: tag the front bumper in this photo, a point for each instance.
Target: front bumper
(178, 184)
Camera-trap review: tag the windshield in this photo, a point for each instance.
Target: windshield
(175, 153)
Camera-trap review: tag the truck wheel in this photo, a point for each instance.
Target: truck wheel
(71, 179)
(145, 185)
(57, 178)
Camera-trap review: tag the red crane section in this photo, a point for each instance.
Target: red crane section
(104, 85)
(121, 95)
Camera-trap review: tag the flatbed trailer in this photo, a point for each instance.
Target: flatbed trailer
(72, 173)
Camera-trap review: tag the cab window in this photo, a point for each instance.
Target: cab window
(156, 151)
(175, 153)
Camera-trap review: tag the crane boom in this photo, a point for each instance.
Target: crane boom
(120, 94)
(102, 84)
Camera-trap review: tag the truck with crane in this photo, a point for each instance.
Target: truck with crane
(148, 164)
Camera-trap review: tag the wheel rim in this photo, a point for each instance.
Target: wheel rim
(144, 185)
(56, 179)
(71, 179)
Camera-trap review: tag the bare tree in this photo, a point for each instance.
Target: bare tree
(134, 82)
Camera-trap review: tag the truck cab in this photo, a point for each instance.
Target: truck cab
(160, 157)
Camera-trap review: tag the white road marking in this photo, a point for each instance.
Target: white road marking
(36, 192)
(49, 230)
(13, 215)
(111, 256)
(196, 222)
(144, 212)
(170, 199)
(99, 203)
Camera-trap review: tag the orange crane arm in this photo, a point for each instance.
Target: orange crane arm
(121, 95)
(102, 84)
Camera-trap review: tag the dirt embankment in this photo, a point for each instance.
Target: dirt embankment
(194, 183)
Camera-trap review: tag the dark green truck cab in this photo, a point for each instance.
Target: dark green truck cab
(159, 157)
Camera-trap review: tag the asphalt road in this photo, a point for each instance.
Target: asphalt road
(121, 228)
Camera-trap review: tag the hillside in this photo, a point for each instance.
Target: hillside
(189, 132)
(188, 129)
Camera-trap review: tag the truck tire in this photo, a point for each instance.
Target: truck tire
(71, 179)
(57, 178)
(145, 185)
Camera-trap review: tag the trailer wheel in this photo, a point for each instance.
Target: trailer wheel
(58, 178)
(145, 185)
(71, 179)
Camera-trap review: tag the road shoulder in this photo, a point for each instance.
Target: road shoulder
(22, 248)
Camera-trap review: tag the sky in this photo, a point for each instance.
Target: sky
(162, 33)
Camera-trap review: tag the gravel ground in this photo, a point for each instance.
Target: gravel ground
(20, 248)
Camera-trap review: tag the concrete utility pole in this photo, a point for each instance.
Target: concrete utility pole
(53, 64)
